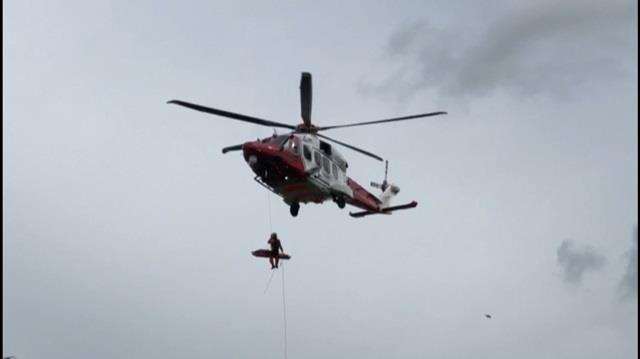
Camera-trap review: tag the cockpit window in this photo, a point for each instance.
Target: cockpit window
(318, 158)
(278, 140)
(334, 168)
(292, 145)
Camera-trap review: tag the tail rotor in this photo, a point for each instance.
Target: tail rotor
(384, 184)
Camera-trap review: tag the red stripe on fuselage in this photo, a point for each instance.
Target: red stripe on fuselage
(362, 198)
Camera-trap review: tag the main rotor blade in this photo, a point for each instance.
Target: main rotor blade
(351, 147)
(383, 121)
(236, 116)
(306, 95)
(232, 148)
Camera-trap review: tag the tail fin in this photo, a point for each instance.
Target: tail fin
(390, 192)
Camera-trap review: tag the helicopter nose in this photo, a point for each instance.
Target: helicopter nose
(252, 151)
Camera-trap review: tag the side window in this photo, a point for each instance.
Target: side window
(334, 168)
(317, 158)
(326, 166)
(307, 152)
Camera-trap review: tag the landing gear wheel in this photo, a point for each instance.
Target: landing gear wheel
(294, 209)
(341, 203)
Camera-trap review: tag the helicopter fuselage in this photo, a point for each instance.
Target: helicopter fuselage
(301, 168)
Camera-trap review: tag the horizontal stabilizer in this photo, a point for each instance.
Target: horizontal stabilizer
(402, 206)
(387, 210)
(361, 214)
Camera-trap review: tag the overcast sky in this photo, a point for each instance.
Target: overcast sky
(128, 234)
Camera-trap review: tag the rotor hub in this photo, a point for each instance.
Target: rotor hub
(304, 128)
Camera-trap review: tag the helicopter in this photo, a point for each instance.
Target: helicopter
(303, 166)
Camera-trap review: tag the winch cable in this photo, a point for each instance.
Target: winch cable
(284, 302)
(268, 283)
(284, 315)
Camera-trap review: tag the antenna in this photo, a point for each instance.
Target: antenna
(386, 169)
(385, 184)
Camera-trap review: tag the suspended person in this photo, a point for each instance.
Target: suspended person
(276, 246)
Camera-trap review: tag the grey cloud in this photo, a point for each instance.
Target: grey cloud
(405, 39)
(629, 282)
(128, 234)
(575, 261)
(547, 49)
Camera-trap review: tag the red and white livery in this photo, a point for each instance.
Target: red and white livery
(304, 166)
